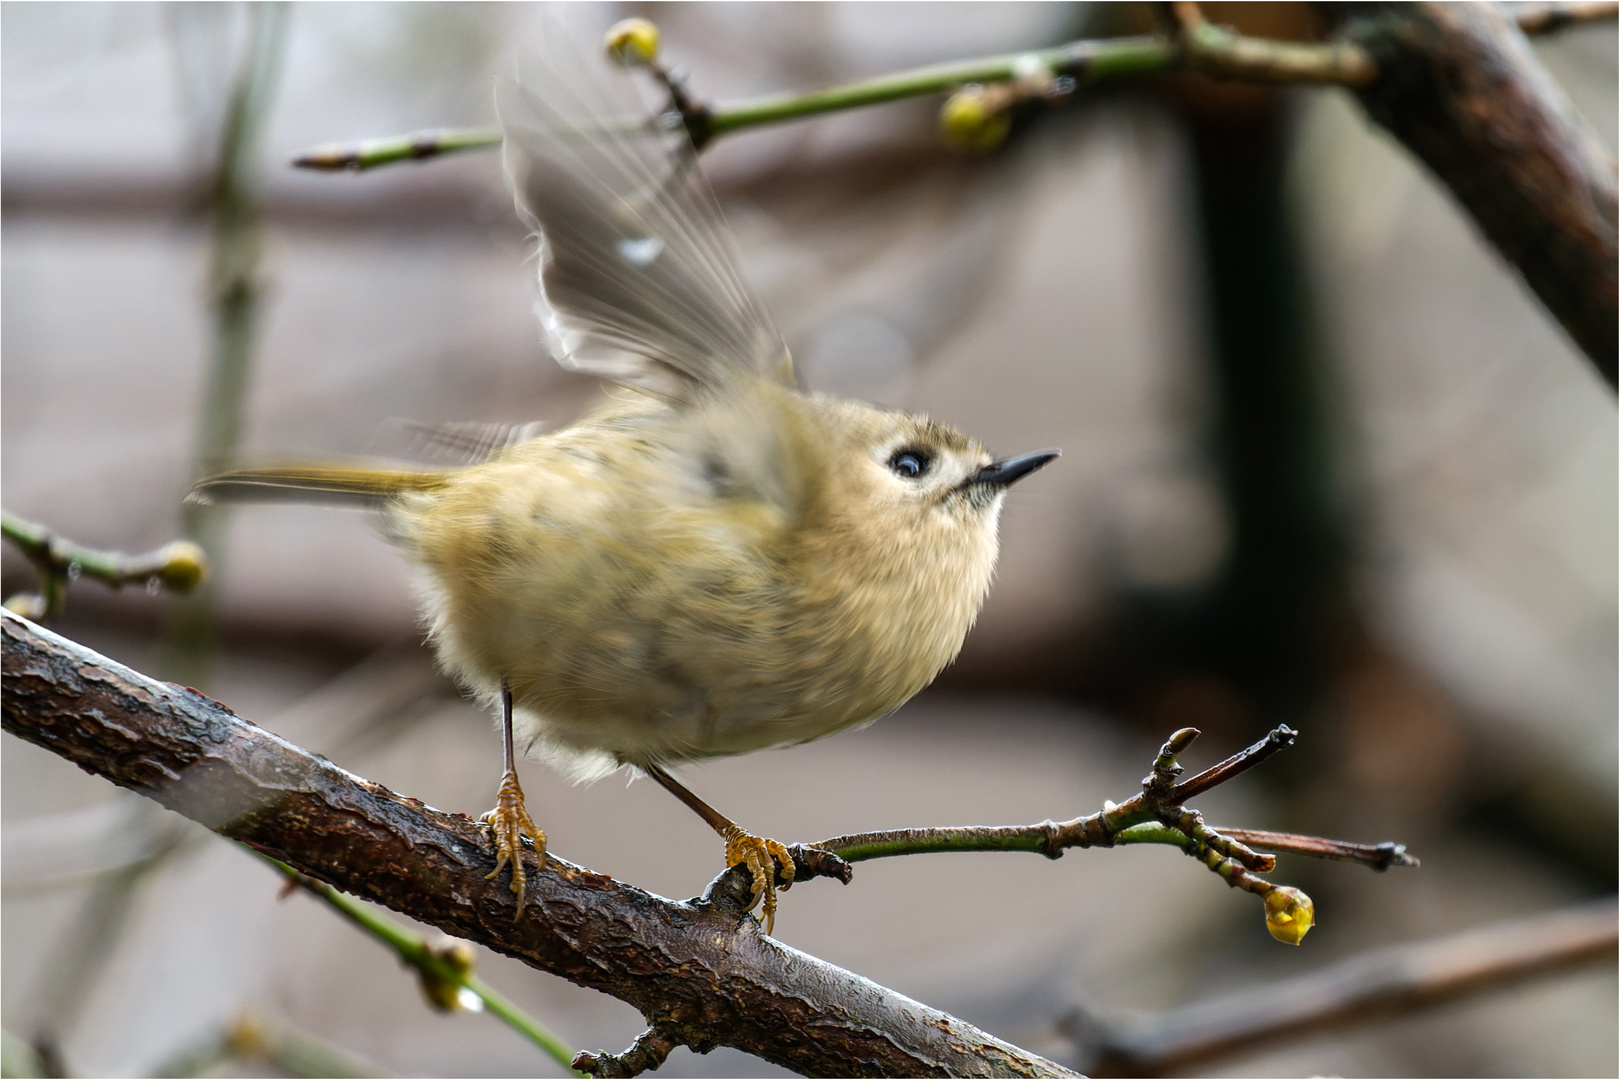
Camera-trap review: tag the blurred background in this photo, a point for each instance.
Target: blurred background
(1327, 462)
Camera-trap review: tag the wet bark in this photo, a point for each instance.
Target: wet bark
(700, 971)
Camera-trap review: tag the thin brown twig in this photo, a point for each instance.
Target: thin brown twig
(1279, 738)
(1379, 856)
(1375, 985)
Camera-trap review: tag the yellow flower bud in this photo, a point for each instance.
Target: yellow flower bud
(1289, 914)
(971, 121)
(448, 995)
(246, 1036)
(28, 605)
(184, 565)
(632, 42)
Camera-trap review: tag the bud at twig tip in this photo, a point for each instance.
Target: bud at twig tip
(632, 42)
(185, 565)
(1289, 914)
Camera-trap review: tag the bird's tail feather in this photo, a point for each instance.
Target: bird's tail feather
(329, 484)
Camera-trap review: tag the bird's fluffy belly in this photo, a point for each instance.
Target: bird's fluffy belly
(669, 640)
(651, 679)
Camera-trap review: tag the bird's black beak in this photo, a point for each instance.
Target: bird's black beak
(1007, 472)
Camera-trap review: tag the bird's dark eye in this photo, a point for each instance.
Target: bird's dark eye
(909, 463)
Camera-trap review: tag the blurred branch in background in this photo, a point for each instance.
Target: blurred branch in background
(1466, 95)
(231, 199)
(18, 1057)
(1455, 82)
(1535, 18)
(252, 1039)
(82, 954)
(1375, 985)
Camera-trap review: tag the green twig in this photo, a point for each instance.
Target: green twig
(178, 566)
(439, 968)
(18, 1057)
(1082, 832)
(1153, 816)
(1202, 46)
(414, 146)
(1086, 62)
(1083, 61)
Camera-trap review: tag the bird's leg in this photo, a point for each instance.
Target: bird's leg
(510, 819)
(764, 858)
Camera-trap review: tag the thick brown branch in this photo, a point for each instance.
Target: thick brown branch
(1375, 985)
(700, 971)
(1460, 87)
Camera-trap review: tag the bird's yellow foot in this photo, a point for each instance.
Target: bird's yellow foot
(765, 859)
(507, 823)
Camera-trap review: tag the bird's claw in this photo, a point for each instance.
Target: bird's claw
(507, 822)
(765, 860)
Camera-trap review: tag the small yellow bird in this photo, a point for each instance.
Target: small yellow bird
(711, 562)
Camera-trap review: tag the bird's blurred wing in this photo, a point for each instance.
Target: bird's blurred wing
(637, 268)
(458, 442)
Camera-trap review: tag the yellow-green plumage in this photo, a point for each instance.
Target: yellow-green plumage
(660, 583)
